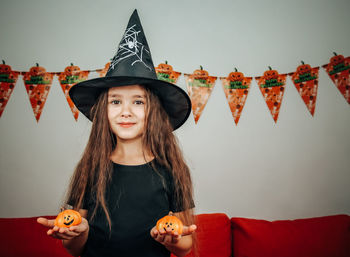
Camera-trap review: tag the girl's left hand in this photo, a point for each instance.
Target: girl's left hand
(168, 238)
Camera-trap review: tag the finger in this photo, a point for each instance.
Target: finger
(176, 238)
(46, 222)
(154, 232)
(188, 230)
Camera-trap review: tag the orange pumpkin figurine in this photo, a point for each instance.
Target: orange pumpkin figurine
(68, 218)
(170, 221)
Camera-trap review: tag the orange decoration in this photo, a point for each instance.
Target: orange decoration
(164, 68)
(170, 221)
(236, 88)
(68, 218)
(272, 85)
(305, 80)
(199, 87)
(338, 70)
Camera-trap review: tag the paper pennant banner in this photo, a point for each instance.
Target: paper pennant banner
(236, 88)
(272, 87)
(38, 84)
(305, 80)
(165, 72)
(199, 86)
(71, 75)
(102, 72)
(8, 79)
(338, 70)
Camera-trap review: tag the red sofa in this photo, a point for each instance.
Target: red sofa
(218, 236)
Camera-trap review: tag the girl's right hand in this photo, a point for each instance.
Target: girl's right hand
(64, 233)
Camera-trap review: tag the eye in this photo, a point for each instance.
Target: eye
(115, 102)
(139, 102)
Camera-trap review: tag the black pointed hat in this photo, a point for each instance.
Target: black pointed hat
(132, 64)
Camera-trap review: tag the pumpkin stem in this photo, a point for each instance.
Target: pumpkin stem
(270, 68)
(3, 62)
(71, 64)
(166, 62)
(302, 62)
(335, 54)
(37, 64)
(236, 69)
(201, 67)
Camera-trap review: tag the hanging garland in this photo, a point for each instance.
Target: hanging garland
(200, 84)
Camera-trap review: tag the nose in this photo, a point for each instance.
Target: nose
(126, 112)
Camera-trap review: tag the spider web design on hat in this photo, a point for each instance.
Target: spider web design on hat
(130, 47)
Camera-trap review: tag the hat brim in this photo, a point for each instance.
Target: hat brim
(174, 100)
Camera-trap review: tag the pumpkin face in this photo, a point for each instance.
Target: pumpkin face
(172, 222)
(71, 70)
(200, 74)
(5, 68)
(37, 71)
(270, 74)
(236, 76)
(164, 68)
(68, 218)
(303, 69)
(338, 59)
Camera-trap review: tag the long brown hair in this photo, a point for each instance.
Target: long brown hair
(93, 172)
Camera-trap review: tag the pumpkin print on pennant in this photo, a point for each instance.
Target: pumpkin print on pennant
(38, 84)
(272, 85)
(170, 222)
(338, 69)
(165, 72)
(305, 80)
(68, 218)
(72, 75)
(8, 79)
(199, 86)
(236, 87)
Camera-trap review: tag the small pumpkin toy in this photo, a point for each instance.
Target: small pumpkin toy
(37, 71)
(170, 221)
(68, 218)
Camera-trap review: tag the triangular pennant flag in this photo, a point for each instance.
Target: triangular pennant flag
(272, 85)
(8, 79)
(38, 84)
(71, 75)
(338, 70)
(305, 80)
(102, 72)
(236, 88)
(199, 86)
(165, 72)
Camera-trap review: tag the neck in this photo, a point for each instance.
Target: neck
(130, 153)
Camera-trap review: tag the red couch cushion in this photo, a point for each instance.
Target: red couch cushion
(327, 236)
(213, 235)
(25, 237)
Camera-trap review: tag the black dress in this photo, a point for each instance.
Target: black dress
(137, 197)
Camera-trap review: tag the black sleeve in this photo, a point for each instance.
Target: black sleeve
(175, 201)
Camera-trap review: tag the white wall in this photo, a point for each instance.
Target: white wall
(296, 168)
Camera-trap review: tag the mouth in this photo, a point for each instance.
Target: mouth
(68, 223)
(126, 124)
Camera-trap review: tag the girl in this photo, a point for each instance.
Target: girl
(132, 171)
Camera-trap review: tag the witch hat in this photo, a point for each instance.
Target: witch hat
(132, 64)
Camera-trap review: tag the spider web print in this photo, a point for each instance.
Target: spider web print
(128, 47)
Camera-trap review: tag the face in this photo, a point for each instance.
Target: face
(126, 112)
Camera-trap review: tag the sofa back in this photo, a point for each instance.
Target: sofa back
(217, 236)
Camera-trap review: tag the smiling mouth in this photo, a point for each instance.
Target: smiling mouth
(126, 124)
(68, 223)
